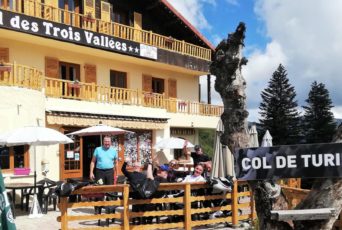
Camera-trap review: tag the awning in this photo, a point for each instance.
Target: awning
(88, 119)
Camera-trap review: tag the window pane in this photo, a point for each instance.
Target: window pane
(4, 158)
(19, 159)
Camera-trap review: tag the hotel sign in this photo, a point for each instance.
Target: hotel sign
(61, 32)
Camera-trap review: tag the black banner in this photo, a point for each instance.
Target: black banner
(289, 161)
(58, 31)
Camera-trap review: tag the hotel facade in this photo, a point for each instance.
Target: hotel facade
(71, 64)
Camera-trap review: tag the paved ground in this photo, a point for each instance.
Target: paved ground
(49, 221)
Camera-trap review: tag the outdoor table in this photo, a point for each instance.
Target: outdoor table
(22, 186)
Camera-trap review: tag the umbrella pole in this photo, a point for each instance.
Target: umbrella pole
(35, 171)
(35, 211)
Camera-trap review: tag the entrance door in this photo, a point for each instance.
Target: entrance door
(89, 145)
(71, 157)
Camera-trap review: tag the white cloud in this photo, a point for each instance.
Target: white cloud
(306, 37)
(233, 2)
(192, 10)
(259, 69)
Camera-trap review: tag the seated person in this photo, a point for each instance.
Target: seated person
(196, 176)
(185, 162)
(173, 173)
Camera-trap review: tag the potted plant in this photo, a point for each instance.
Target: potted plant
(5, 67)
(89, 17)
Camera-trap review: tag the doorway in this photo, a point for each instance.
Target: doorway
(89, 145)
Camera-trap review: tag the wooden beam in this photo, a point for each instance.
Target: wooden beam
(302, 214)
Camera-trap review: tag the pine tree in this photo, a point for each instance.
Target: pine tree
(278, 109)
(319, 124)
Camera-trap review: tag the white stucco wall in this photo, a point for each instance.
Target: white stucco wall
(104, 61)
(23, 107)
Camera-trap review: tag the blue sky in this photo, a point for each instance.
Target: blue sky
(305, 36)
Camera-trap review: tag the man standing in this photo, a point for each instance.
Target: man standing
(104, 158)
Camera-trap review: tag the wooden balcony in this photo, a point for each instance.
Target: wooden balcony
(46, 12)
(12, 74)
(91, 92)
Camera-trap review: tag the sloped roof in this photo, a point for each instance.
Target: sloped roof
(187, 23)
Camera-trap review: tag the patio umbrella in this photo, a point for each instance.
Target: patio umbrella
(35, 136)
(99, 130)
(253, 137)
(172, 143)
(267, 140)
(222, 164)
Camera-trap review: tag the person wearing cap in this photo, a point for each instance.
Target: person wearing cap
(199, 157)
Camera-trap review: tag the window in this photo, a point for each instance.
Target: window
(69, 71)
(14, 157)
(157, 85)
(120, 16)
(118, 79)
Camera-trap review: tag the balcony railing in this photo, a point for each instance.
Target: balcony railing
(91, 92)
(44, 11)
(12, 74)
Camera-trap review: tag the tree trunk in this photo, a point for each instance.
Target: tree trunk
(325, 193)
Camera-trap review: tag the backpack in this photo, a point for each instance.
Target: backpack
(147, 188)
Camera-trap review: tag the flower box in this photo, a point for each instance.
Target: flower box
(4, 68)
(22, 171)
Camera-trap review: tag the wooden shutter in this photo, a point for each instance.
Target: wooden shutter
(4, 54)
(137, 21)
(51, 67)
(105, 11)
(89, 7)
(137, 26)
(147, 83)
(172, 88)
(90, 73)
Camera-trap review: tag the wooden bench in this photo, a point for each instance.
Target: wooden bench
(302, 214)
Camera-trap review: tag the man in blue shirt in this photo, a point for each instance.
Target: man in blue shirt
(105, 159)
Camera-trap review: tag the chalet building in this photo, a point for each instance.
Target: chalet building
(70, 64)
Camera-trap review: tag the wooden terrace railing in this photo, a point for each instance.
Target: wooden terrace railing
(12, 74)
(47, 12)
(91, 92)
(126, 215)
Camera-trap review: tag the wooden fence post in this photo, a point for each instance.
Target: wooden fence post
(64, 213)
(187, 205)
(253, 212)
(125, 207)
(235, 204)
